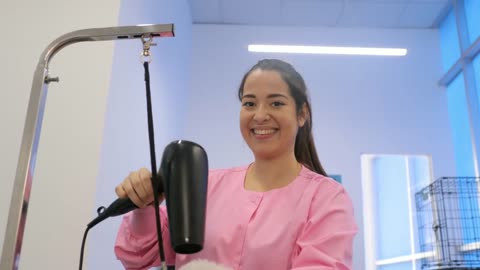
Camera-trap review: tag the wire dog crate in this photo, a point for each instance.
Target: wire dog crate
(448, 220)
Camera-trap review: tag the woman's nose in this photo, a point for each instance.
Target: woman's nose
(261, 114)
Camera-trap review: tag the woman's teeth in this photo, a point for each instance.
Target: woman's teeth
(263, 131)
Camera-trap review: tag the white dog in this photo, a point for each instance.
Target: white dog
(203, 265)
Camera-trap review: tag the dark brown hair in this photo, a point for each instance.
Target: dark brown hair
(305, 151)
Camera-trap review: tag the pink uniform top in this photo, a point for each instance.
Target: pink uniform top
(308, 224)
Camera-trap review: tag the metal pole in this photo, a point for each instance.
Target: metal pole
(33, 123)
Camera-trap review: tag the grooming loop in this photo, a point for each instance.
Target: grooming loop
(24, 177)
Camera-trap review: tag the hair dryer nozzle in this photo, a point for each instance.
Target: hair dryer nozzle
(185, 176)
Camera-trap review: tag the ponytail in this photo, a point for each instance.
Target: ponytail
(305, 151)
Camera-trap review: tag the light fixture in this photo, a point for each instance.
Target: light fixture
(327, 50)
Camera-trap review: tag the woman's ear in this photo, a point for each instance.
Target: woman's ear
(303, 115)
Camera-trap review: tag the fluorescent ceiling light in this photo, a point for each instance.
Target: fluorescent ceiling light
(327, 50)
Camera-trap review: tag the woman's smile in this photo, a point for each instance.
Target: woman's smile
(263, 133)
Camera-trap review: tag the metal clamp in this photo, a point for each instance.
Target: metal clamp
(147, 41)
(49, 79)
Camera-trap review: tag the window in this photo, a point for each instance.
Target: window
(460, 127)
(390, 182)
(476, 68)
(472, 11)
(449, 41)
(462, 82)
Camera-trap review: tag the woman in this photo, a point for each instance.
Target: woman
(279, 212)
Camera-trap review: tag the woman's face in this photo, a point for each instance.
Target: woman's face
(268, 117)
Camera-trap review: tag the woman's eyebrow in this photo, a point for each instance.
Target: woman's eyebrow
(276, 96)
(248, 96)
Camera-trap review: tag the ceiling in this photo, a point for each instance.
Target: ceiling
(326, 13)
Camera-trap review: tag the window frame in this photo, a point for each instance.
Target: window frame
(369, 210)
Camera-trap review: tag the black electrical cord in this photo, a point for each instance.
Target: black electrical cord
(83, 248)
(155, 178)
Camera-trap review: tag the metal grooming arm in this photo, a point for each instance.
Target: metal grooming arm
(31, 133)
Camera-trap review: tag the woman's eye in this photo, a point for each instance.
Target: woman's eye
(277, 104)
(248, 104)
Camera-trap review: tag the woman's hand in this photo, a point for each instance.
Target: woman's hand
(138, 188)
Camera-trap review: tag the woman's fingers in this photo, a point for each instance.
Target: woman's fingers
(131, 189)
(138, 188)
(146, 184)
(121, 193)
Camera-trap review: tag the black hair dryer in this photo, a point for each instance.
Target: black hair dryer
(184, 170)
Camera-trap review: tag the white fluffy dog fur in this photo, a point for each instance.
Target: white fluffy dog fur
(203, 265)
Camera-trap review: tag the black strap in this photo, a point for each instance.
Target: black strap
(155, 180)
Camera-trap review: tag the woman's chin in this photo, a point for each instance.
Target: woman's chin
(264, 155)
(269, 152)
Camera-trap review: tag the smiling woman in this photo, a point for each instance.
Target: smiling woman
(268, 118)
(282, 201)
(281, 80)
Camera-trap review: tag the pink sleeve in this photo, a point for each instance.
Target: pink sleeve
(136, 245)
(326, 241)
